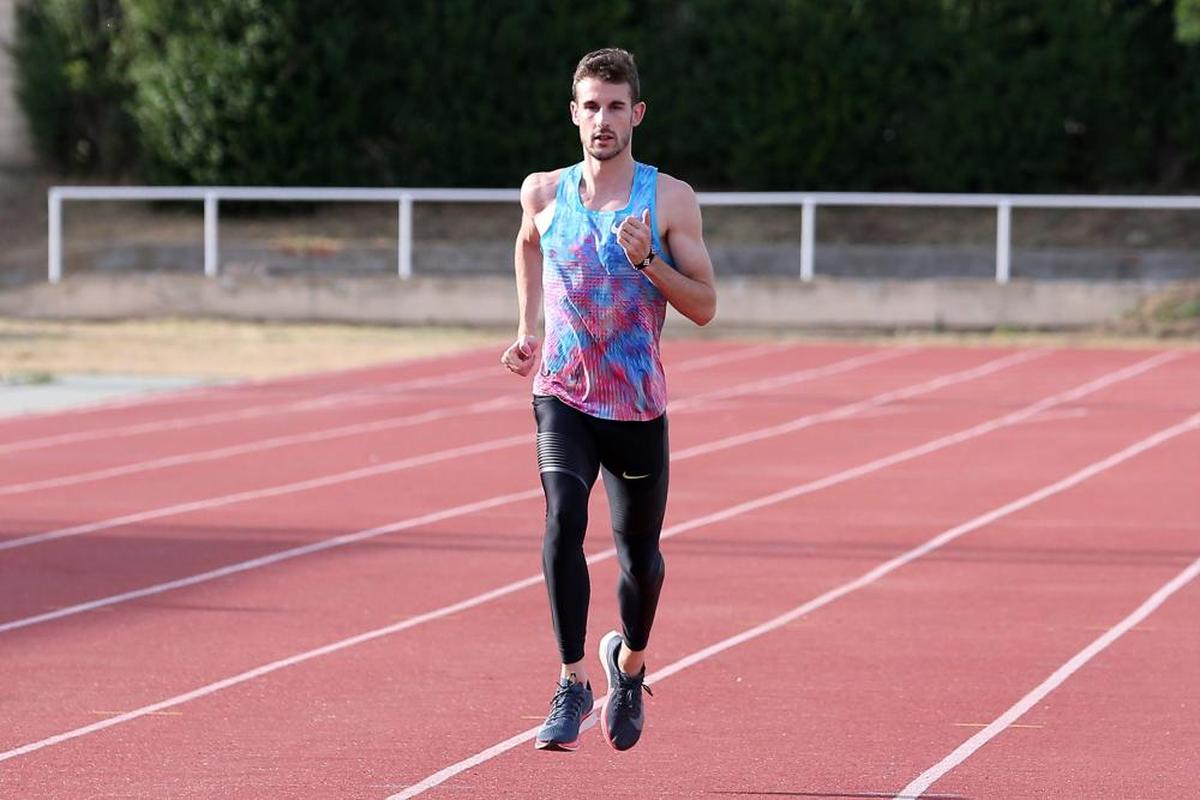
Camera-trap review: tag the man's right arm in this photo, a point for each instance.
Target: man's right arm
(537, 193)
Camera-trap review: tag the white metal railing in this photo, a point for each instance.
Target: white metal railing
(404, 199)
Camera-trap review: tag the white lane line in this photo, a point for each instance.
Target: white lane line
(825, 599)
(511, 401)
(843, 412)
(716, 359)
(357, 396)
(410, 622)
(1011, 418)
(461, 510)
(327, 480)
(276, 557)
(790, 379)
(228, 389)
(360, 396)
(273, 491)
(261, 445)
(1056, 679)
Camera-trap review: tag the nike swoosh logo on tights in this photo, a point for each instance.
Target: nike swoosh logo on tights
(629, 477)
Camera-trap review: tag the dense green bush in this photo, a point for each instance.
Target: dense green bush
(941, 95)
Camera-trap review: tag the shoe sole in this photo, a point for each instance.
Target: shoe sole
(605, 646)
(566, 747)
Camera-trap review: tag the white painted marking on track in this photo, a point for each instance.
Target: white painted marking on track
(273, 491)
(792, 378)
(852, 409)
(360, 535)
(328, 480)
(225, 389)
(275, 558)
(740, 354)
(1056, 679)
(825, 599)
(260, 445)
(361, 394)
(182, 459)
(534, 580)
(353, 396)
(845, 475)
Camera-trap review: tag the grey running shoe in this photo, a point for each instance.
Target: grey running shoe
(622, 717)
(570, 706)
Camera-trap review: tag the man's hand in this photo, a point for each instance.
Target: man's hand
(521, 355)
(634, 236)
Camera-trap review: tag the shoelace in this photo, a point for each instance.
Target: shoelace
(627, 691)
(565, 702)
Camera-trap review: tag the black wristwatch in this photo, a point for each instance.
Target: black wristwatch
(645, 262)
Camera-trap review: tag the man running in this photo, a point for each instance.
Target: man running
(604, 245)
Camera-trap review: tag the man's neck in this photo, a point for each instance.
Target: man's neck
(607, 182)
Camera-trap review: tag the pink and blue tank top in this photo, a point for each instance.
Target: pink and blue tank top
(603, 317)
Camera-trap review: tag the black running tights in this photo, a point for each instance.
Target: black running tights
(572, 449)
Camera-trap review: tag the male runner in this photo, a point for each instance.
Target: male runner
(606, 243)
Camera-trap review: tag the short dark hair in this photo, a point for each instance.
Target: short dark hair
(611, 65)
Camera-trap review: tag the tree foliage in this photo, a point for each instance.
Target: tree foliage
(937, 95)
(69, 84)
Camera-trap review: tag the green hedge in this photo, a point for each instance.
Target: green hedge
(935, 95)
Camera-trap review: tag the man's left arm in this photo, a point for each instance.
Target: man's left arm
(690, 287)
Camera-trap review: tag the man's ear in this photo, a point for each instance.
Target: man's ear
(574, 112)
(639, 111)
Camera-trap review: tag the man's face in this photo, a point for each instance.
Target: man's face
(606, 116)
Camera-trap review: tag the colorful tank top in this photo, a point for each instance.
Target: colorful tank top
(603, 317)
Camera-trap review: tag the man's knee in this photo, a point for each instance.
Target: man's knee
(565, 526)
(644, 568)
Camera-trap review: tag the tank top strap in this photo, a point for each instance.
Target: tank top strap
(567, 191)
(644, 181)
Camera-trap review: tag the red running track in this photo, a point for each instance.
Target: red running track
(874, 556)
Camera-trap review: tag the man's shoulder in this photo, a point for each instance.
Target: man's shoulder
(674, 193)
(672, 189)
(539, 188)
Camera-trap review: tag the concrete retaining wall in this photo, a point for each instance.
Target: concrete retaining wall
(766, 303)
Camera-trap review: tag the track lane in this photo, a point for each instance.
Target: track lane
(839, 704)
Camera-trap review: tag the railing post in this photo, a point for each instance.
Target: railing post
(1003, 227)
(808, 225)
(55, 236)
(405, 238)
(212, 259)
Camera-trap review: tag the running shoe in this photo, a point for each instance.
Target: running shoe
(569, 708)
(622, 717)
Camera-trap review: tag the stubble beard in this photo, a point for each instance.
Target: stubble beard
(601, 154)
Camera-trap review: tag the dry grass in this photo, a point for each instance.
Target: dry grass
(1172, 314)
(213, 348)
(37, 350)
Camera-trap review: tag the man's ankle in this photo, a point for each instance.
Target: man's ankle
(575, 673)
(631, 662)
